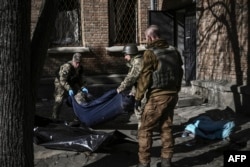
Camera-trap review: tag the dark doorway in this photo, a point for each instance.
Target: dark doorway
(189, 52)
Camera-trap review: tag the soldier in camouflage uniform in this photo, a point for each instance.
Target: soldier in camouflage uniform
(135, 65)
(69, 79)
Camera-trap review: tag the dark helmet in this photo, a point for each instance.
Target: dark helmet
(130, 49)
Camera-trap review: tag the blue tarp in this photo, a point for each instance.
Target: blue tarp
(106, 107)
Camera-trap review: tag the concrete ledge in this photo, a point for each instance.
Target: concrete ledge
(223, 94)
(217, 85)
(188, 100)
(223, 86)
(68, 49)
(120, 48)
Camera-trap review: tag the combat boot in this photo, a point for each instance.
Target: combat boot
(55, 115)
(165, 162)
(55, 111)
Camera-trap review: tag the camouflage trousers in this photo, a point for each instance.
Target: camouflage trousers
(59, 95)
(158, 110)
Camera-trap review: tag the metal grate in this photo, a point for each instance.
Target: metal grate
(123, 21)
(190, 48)
(67, 29)
(190, 33)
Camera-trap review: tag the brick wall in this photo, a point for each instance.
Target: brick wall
(35, 10)
(143, 8)
(96, 37)
(95, 32)
(222, 40)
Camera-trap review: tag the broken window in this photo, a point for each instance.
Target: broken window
(67, 29)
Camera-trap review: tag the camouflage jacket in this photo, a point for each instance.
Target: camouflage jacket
(70, 78)
(135, 66)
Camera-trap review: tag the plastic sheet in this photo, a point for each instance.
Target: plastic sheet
(55, 135)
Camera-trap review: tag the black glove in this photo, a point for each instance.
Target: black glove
(137, 104)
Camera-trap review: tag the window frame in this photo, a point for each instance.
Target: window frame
(113, 34)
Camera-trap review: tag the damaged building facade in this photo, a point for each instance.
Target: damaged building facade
(212, 36)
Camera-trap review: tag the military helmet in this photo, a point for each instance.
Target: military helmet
(130, 49)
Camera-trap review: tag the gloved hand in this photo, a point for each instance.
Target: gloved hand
(117, 91)
(71, 93)
(137, 104)
(85, 90)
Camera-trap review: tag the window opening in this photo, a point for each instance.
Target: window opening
(123, 21)
(67, 29)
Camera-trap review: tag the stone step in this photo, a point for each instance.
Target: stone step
(193, 111)
(186, 99)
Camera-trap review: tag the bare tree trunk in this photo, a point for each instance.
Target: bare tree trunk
(20, 70)
(16, 117)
